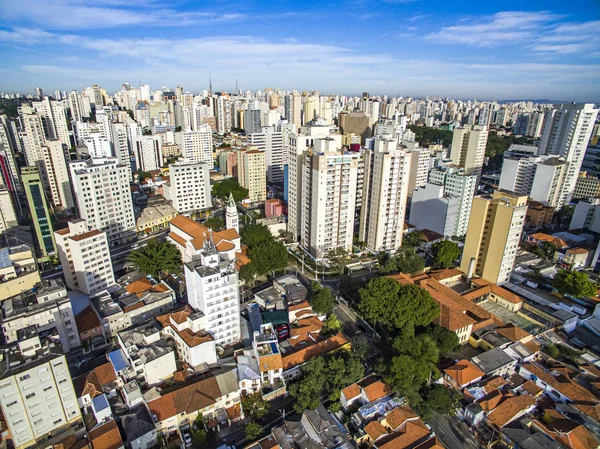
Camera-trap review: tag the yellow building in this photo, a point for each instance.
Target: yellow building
(493, 235)
(254, 174)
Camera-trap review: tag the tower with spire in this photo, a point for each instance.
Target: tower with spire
(231, 214)
(210, 91)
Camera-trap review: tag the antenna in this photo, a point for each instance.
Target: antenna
(236, 85)
(210, 91)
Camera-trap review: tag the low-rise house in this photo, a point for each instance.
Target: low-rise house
(138, 427)
(575, 258)
(462, 374)
(101, 380)
(365, 391)
(510, 409)
(294, 359)
(106, 436)
(89, 326)
(540, 237)
(495, 362)
(155, 218)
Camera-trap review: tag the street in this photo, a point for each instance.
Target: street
(453, 432)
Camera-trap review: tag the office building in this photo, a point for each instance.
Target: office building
(468, 147)
(8, 216)
(189, 187)
(38, 399)
(85, 258)
(212, 288)
(54, 154)
(271, 142)
(252, 174)
(329, 179)
(384, 195)
(591, 160)
(493, 236)
(148, 155)
(103, 197)
(197, 146)
(39, 211)
(566, 133)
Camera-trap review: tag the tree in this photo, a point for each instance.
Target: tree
(445, 339)
(247, 274)
(321, 299)
(253, 431)
(256, 234)
(156, 258)
(271, 256)
(548, 250)
(439, 399)
(445, 254)
(230, 185)
(255, 405)
(412, 239)
(214, 223)
(333, 324)
(142, 175)
(574, 283)
(199, 438)
(177, 129)
(337, 257)
(360, 346)
(406, 260)
(551, 350)
(386, 302)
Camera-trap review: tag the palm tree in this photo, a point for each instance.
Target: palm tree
(156, 258)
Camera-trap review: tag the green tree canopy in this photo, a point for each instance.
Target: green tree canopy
(253, 431)
(255, 234)
(412, 239)
(199, 438)
(230, 185)
(321, 299)
(247, 274)
(574, 283)
(156, 258)
(143, 175)
(333, 324)
(215, 223)
(386, 302)
(255, 405)
(267, 257)
(445, 339)
(426, 134)
(439, 399)
(445, 254)
(406, 260)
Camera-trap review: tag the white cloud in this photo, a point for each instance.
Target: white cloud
(24, 35)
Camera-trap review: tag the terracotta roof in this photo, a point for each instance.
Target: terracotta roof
(300, 305)
(87, 320)
(300, 356)
(408, 436)
(228, 234)
(306, 326)
(197, 233)
(398, 416)
(478, 293)
(375, 430)
(141, 285)
(268, 442)
(85, 235)
(446, 273)
(351, 392)
(431, 236)
(577, 251)
(189, 399)
(106, 436)
(505, 294)
(224, 245)
(270, 363)
(531, 388)
(540, 236)
(566, 432)
(432, 443)
(513, 333)
(510, 409)
(376, 390)
(180, 316)
(464, 372)
(64, 231)
(491, 400)
(106, 374)
(177, 238)
(532, 346)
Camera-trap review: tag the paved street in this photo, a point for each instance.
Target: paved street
(453, 432)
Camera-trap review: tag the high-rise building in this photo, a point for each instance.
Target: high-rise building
(35, 138)
(468, 147)
(189, 187)
(103, 197)
(85, 258)
(328, 198)
(566, 133)
(197, 146)
(419, 166)
(212, 288)
(98, 146)
(271, 142)
(38, 399)
(148, 154)
(252, 123)
(253, 174)
(356, 123)
(384, 194)
(8, 216)
(493, 236)
(57, 175)
(120, 143)
(38, 208)
(54, 120)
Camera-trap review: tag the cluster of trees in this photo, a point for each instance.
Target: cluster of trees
(574, 283)
(321, 299)
(256, 407)
(406, 260)
(426, 135)
(445, 253)
(214, 223)
(326, 376)
(222, 190)
(562, 352)
(143, 175)
(412, 239)
(266, 253)
(544, 250)
(156, 259)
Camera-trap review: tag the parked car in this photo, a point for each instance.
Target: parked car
(187, 438)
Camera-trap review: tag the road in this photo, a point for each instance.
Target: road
(453, 432)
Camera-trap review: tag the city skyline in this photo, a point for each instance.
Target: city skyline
(393, 47)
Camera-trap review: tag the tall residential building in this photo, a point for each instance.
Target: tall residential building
(357, 123)
(54, 119)
(419, 166)
(212, 288)
(468, 147)
(148, 154)
(38, 399)
(103, 197)
(189, 187)
(254, 174)
(85, 258)
(252, 119)
(271, 142)
(493, 236)
(197, 146)
(8, 216)
(97, 145)
(384, 194)
(57, 175)
(566, 133)
(328, 198)
(120, 144)
(293, 109)
(31, 124)
(38, 208)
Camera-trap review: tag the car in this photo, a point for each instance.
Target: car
(187, 438)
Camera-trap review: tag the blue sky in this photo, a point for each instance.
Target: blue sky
(461, 49)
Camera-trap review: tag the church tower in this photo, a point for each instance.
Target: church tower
(231, 215)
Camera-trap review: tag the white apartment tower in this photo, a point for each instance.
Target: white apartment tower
(385, 190)
(271, 142)
(468, 147)
(34, 139)
(148, 155)
(103, 197)
(212, 288)
(189, 189)
(8, 216)
(566, 133)
(197, 146)
(329, 179)
(85, 258)
(54, 119)
(98, 146)
(57, 174)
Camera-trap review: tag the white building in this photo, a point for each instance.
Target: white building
(385, 190)
(189, 186)
(148, 154)
(212, 288)
(419, 166)
(47, 308)
(271, 142)
(85, 258)
(468, 147)
(103, 197)
(54, 119)
(120, 143)
(197, 146)
(8, 216)
(34, 137)
(566, 133)
(57, 175)
(329, 179)
(586, 215)
(98, 146)
(38, 399)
